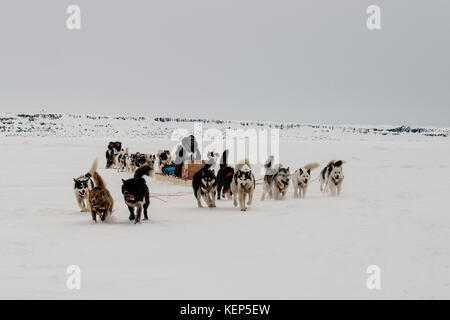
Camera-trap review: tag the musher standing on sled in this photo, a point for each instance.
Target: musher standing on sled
(187, 150)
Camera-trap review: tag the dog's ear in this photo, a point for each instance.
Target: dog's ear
(338, 163)
(309, 171)
(287, 169)
(301, 171)
(123, 180)
(74, 180)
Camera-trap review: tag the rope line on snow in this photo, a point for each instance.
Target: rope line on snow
(168, 195)
(184, 193)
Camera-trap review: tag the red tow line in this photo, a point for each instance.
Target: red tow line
(168, 195)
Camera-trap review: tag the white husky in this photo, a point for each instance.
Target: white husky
(301, 178)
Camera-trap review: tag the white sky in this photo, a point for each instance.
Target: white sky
(309, 61)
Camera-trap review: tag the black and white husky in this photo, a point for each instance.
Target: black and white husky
(204, 184)
(276, 180)
(141, 159)
(136, 193)
(121, 160)
(83, 184)
(301, 178)
(332, 177)
(164, 159)
(243, 184)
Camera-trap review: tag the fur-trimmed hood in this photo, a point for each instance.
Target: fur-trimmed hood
(187, 151)
(186, 144)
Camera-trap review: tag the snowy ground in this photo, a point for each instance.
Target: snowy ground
(393, 213)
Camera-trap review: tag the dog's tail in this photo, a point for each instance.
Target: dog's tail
(144, 170)
(339, 163)
(93, 167)
(312, 166)
(99, 182)
(210, 163)
(126, 150)
(268, 166)
(241, 164)
(223, 159)
(269, 162)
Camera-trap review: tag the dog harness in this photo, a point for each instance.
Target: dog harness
(302, 184)
(336, 182)
(280, 188)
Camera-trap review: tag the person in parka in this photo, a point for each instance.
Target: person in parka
(187, 150)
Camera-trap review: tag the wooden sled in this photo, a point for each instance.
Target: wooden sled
(163, 177)
(188, 170)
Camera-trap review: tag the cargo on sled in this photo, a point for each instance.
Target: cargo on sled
(189, 168)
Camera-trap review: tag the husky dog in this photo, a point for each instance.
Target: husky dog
(131, 162)
(204, 184)
(276, 180)
(300, 179)
(141, 159)
(151, 159)
(136, 194)
(164, 159)
(100, 201)
(111, 153)
(121, 160)
(332, 176)
(243, 184)
(224, 177)
(83, 184)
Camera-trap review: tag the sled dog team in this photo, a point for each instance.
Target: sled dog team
(129, 162)
(237, 183)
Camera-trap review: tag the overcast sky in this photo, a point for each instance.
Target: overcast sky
(310, 61)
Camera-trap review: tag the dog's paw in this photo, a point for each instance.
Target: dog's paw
(243, 209)
(131, 218)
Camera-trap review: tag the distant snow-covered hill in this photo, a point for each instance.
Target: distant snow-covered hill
(107, 126)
